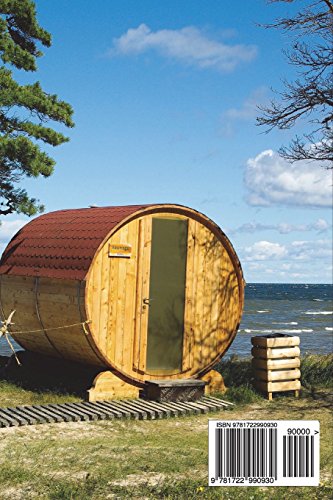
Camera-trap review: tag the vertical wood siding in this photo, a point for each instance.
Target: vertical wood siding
(117, 287)
(112, 299)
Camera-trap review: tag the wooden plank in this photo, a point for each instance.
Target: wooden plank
(6, 416)
(139, 298)
(94, 295)
(37, 416)
(291, 385)
(198, 309)
(112, 408)
(202, 313)
(25, 417)
(120, 301)
(130, 298)
(42, 327)
(129, 412)
(142, 414)
(63, 411)
(216, 299)
(170, 215)
(13, 418)
(194, 319)
(113, 291)
(276, 364)
(125, 298)
(144, 309)
(231, 302)
(276, 353)
(221, 402)
(104, 298)
(83, 414)
(288, 341)
(197, 404)
(271, 375)
(95, 413)
(151, 413)
(49, 414)
(3, 421)
(153, 406)
(187, 357)
(172, 409)
(210, 405)
(188, 408)
(137, 409)
(101, 413)
(165, 409)
(68, 342)
(111, 413)
(208, 284)
(19, 293)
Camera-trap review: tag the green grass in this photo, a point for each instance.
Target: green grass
(317, 370)
(38, 381)
(12, 394)
(143, 459)
(147, 459)
(42, 380)
(316, 373)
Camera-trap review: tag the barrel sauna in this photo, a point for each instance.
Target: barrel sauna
(147, 292)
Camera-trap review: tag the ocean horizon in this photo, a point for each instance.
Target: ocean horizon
(305, 310)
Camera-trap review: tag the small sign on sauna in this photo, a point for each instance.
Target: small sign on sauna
(120, 250)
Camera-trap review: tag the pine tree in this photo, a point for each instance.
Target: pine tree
(24, 109)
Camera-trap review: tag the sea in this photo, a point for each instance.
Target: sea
(293, 309)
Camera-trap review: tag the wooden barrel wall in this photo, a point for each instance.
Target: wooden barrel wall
(62, 270)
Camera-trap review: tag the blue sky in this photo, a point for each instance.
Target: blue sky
(165, 95)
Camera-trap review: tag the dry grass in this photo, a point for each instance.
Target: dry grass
(145, 459)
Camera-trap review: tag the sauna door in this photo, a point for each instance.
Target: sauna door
(166, 295)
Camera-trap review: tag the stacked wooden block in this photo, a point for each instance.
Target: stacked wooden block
(276, 363)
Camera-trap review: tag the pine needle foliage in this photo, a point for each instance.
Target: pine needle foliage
(25, 109)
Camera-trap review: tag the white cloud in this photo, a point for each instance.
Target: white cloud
(297, 251)
(265, 250)
(309, 250)
(188, 45)
(271, 180)
(300, 261)
(320, 225)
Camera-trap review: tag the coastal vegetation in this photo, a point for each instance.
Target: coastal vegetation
(147, 459)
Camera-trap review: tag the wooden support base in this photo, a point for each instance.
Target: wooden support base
(270, 387)
(270, 395)
(108, 386)
(214, 382)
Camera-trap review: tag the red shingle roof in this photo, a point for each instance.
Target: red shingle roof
(62, 244)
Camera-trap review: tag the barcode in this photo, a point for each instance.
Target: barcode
(246, 453)
(271, 453)
(298, 456)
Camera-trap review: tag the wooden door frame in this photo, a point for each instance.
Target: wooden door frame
(142, 310)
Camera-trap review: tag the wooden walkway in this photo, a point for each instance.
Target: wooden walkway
(126, 409)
